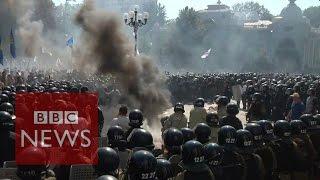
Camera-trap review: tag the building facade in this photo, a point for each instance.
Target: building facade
(288, 40)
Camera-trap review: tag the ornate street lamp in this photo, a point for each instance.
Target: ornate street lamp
(135, 20)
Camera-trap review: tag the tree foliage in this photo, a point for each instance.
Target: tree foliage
(185, 38)
(313, 13)
(253, 8)
(149, 32)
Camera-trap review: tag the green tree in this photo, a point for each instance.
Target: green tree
(313, 13)
(253, 7)
(150, 32)
(185, 37)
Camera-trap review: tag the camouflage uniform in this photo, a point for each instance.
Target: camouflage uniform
(197, 115)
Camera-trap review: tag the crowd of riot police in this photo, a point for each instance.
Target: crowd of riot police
(208, 144)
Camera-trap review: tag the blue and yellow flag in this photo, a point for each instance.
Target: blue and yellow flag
(12, 45)
(70, 42)
(1, 52)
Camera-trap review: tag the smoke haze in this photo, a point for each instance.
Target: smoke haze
(105, 50)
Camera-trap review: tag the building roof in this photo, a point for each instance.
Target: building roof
(216, 8)
(261, 24)
(292, 12)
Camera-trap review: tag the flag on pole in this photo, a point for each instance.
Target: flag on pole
(70, 42)
(206, 54)
(1, 52)
(12, 45)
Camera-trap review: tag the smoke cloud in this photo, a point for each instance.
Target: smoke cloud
(30, 34)
(105, 50)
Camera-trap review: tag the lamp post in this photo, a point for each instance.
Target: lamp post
(135, 20)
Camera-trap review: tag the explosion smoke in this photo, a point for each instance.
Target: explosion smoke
(30, 33)
(105, 50)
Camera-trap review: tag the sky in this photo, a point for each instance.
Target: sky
(275, 6)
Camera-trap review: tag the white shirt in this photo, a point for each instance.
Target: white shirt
(122, 121)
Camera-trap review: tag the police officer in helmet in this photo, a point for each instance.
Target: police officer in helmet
(198, 113)
(177, 119)
(140, 139)
(7, 136)
(202, 132)
(164, 170)
(142, 165)
(263, 142)
(117, 141)
(289, 159)
(35, 164)
(231, 119)
(253, 162)
(232, 163)
(107, 162)
(135, 121)
(213, 153)
(193, 162)
(212, 120)
(173, 140)
(188, 134)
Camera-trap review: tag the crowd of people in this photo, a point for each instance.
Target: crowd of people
(279, 141)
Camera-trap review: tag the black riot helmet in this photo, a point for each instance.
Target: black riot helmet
(298, 127)
(7, 88)
(4, 98)
(108, 161)
(227, 137)
(7, 107)
(212, 119)
(179, 107)
(267, 129)
(135, 118)
(257, 97)
(28, 156)
(223, 100)
(12, 97)
(215, 98)
(232, 109)
(173, 140)
(289, 91)
(244, 141)
(309, 120)
(21, 88)
(106, 177)
(6, 121)
(116, 136)
(282, 129)
(188, 134)
(213, 154)
(193, 156)
(257, 133)
(202, 132)
(199, 102)
(84, 89)
(142, 165)
(164, 170)
(140, 138)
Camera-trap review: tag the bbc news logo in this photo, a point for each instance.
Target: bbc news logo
(65, 128)
(55, 117)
